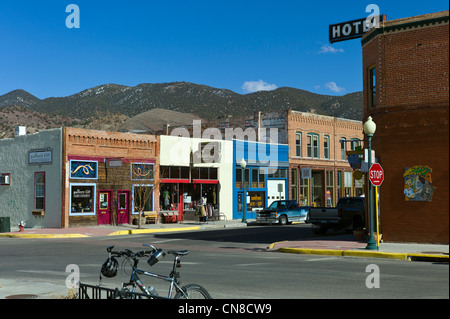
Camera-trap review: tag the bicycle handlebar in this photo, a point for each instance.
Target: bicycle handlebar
(144, 253)
(129, 253)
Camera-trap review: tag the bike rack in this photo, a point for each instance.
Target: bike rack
(96, 292)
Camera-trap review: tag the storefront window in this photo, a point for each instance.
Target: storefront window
(348, 184)
(304, 192)
(277, 173)
(329, 194)
(257, 201)
(258, 178)
(82, 199)
(339, 185)
(238, 178)
(142, 198)
(142, 171)
(317, 188)
(294, 181)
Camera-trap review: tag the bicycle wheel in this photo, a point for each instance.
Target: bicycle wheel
(193, 291)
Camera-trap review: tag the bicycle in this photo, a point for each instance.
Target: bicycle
(190, 291)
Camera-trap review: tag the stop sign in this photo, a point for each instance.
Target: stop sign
(376, 174)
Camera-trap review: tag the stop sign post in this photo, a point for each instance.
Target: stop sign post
(376, 174)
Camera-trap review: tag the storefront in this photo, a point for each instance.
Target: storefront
(263, 179)
(190, 185)
(323, 186)
(110, 177)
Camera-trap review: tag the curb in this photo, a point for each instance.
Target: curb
(44, 235)
(366, 254)
(116, 233)
(146, 231)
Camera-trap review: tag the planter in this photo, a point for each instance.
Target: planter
(380, 236)
(359, 234)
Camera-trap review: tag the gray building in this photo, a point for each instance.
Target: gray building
(30, 178)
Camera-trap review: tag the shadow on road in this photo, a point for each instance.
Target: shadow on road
(259, 234)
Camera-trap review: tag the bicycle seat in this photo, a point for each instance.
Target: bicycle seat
(178, 252)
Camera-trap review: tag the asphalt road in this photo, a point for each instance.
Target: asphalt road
(230, 264)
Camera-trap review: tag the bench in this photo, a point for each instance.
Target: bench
(150, 217)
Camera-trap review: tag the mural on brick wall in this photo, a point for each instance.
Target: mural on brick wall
(418, 183)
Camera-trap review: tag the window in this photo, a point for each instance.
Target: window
(339, 185)
(343, 142)
(277, 173)
(83, 169)
(329, 194)
(298, 144)
(142, 198)
(372, 87)
(304, 192)
(354, 143)
(239, 177)
(82, 199)
(39, 191)
(143, 171)
(326, 147)
(312, 141)
(294, 183)
(348, 184)
(258, 177)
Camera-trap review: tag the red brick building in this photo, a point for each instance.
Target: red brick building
(106, 174)
(406, 91)
(319, 171)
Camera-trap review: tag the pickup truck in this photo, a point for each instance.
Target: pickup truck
(282, 212)
(348, 214)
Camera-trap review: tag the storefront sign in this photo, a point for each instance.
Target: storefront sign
(418, 183)
(38, 157)
(83, 169)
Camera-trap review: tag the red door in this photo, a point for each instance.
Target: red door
(123, 207)
(105, 207)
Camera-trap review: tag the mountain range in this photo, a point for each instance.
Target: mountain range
(209, 103)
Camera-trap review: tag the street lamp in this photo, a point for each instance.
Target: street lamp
(369, 129)
(244, 195)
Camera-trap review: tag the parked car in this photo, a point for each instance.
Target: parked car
(282, 212)
(349, 213)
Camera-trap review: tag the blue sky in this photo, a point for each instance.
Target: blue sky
(240, 45)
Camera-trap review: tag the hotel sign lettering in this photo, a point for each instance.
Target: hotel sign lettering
(352, 29)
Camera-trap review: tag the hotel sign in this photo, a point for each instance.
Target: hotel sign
(352, 29)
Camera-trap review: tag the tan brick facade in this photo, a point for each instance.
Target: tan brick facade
(411, 58)
(314, 143)
(114, 155)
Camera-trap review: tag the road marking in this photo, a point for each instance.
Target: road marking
(252, 264)
(322, 258)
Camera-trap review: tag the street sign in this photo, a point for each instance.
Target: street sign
(376, 174)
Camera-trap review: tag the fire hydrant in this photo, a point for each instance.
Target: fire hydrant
(21, 225)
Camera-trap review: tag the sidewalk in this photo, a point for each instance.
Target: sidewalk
(347, 246)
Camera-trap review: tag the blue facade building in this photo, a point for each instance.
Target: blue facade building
(264, 178)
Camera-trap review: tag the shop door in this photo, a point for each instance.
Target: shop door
(123, 207)
(241, 205)
(104, 207)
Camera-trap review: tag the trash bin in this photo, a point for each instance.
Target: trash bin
(5, 224)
